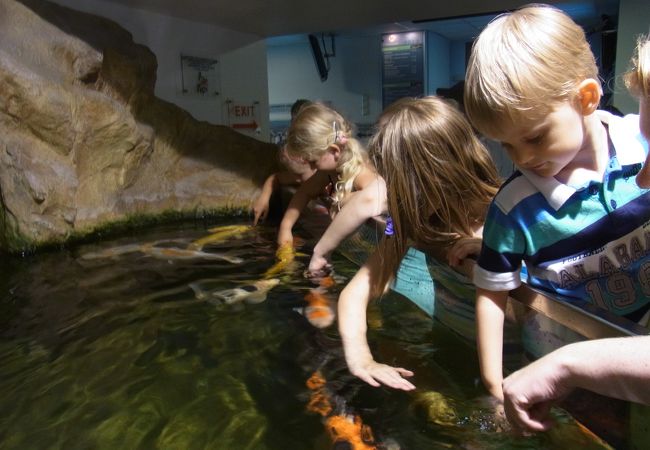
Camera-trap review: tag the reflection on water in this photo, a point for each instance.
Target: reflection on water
(123, 345)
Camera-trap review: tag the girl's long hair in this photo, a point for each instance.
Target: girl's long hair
(439, 177)
(314, 130)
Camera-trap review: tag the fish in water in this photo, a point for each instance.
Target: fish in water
(185, 254)
(249, 293)
(345, 430)
(112, 252)
(284, 255)
(318, 310)
(157, 250)
(220, 234)
(437, 408)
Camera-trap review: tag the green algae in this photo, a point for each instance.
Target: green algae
(16, 243)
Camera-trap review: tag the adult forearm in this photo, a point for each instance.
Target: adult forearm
(617, 367)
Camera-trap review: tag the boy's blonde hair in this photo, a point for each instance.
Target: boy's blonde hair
(637, 79)
(314, 130)
(522, 63)
(439, 177)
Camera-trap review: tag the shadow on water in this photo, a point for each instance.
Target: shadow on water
(106, 345)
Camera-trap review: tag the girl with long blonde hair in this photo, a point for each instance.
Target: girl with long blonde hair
(322, 137)
(440, 180)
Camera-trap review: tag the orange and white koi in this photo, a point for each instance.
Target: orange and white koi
(318, 310)
(220, 234)
(344, 429)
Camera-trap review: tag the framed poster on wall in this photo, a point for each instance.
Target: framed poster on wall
(403, 67)
(199, 77)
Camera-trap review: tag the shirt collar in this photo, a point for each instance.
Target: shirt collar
(556, 193)
(624, 133)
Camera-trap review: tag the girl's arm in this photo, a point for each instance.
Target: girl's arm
(490, 312)
(308, 190)
(362, 205)
(352, 305)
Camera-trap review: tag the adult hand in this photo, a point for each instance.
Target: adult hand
(530, 392)
(376, 374)
(463, 248)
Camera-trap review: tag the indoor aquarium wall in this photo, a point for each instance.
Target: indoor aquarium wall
(84, 142)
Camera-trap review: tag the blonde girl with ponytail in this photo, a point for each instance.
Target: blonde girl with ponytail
(322, 137)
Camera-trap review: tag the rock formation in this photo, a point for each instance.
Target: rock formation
(84, 142)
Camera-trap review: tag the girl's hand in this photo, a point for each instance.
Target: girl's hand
(463, 248)
(318, 265)
(376, 374)
(285, 237)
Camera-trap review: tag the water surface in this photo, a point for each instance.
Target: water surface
(106, 352)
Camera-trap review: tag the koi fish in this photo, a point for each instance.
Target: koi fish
(437, 408)
(112, 252)
(318, 310)
(284, 255)
(250, 293)
(185, 254)
(220, 234)
(347, 431)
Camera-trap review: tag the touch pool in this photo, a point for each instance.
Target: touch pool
(130, 342)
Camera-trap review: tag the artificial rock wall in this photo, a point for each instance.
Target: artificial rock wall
(84, 142)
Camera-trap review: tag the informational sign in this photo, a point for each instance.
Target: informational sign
(199, 77)
(402, 66)
(243, 116)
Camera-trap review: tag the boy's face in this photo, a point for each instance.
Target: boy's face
(548, 145)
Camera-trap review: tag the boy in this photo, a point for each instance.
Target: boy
(572, 212)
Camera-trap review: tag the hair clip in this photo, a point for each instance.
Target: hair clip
(340, 139)
(389, 230)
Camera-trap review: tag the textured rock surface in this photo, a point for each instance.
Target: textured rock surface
(84, 142)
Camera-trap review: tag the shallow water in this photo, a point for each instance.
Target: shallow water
(104, 352)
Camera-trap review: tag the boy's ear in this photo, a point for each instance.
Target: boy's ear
(589, 96)
(335, 149)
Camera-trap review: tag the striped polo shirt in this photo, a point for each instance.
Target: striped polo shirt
(586, 243)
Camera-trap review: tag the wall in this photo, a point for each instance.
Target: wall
(633, 20)
(438, 62)
(238, 53)
(355, 71)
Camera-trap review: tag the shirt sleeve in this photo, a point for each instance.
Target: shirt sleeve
(499, 264)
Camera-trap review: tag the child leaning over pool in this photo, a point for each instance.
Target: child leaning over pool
(323, 138)
(296, 172)
(440, 180)
(572, 212)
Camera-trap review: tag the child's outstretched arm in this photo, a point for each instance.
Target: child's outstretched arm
(490, 312)
(309, 189)
(363, 204)
(261, 203)
(352, 305)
